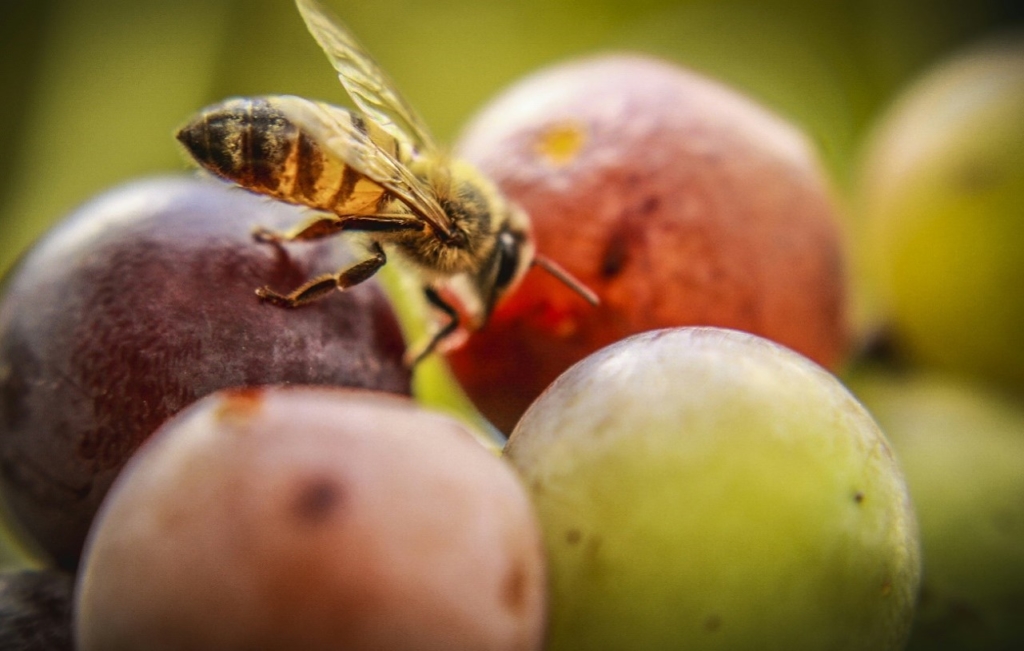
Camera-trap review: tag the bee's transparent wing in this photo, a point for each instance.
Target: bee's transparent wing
(369, 151)
(365, 82)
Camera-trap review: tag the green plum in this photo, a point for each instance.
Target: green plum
(962, 448)
(703, 488)
(943, 203)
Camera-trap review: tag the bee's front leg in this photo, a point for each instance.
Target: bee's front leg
(415, 355)
(321, 286)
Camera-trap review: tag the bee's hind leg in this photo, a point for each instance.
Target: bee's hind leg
(322, 285)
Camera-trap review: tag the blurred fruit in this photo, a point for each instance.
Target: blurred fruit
(142, 302)
(943, 192)
(702, 488)
(35, 611)
(676, 199)
(962, 449)
(313, 519)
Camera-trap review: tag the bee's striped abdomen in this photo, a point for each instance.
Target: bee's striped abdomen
(253, 143)
(243, 140)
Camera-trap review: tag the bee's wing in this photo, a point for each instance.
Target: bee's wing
(363, 79)
(370, 152)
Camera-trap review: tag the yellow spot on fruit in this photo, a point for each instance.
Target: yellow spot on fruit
(560, 143)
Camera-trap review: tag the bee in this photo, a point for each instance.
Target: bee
(375, 171)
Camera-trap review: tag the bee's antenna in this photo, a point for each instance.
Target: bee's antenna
(553, 268)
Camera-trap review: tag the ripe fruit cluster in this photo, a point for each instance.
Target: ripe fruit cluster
(292, 493)
(225, 474)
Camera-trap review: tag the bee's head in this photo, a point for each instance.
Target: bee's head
(513, 254)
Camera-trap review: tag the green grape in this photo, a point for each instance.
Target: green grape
(702, 488)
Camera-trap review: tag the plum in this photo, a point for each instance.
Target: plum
(942, 188)
(962, 448)
(313, 518)
(140, 303)
(676, 199)
(702, 488)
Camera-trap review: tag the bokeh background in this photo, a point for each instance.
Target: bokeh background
(92, 90)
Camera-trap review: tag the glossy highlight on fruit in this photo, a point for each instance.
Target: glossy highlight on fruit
(676, 199)
(702, 488)
(141, 302)
(314, 519)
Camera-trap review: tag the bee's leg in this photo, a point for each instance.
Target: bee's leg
(326, 225)
(315, 228)
(321, 286)
(414, 356)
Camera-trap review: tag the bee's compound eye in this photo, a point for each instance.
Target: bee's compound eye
(508, 259)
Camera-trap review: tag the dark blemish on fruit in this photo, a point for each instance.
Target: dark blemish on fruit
(712, 623)
(886, 587)
(882, 345)
(317, 499)
(649, 205)
(514, 588)
(624, 236)
(614, 258)
(858, 497)
(573, 536)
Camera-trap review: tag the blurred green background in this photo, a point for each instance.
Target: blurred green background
(93, 89)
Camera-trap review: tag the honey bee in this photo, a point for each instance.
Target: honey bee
(375, 171)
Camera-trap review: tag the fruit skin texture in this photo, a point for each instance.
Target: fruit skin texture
(303, 518)
(943, 190)
(676, 199)
(701, 488)
(140, 303)
(962, 448)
